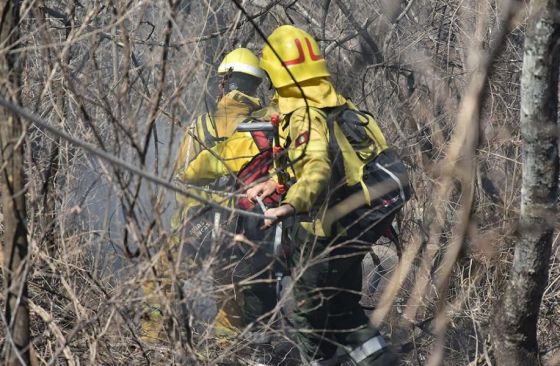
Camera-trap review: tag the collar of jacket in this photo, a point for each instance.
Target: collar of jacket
(319, 92)
(236, 97)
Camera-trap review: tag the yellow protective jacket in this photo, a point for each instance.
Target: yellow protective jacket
(204, 133)
(308, 135)
(226, 157)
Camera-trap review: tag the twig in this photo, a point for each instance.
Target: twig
(340, 42)
(118, 162)
(362, 31)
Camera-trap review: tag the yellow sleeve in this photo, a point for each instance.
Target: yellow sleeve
(204, 169)
(227, 157)
(309, 146)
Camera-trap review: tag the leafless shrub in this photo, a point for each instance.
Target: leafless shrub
(442, 79)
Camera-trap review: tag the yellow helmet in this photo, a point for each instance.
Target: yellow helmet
(296, 51)
(241, 60)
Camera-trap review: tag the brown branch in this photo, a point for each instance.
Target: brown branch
(118, 162)
(362, 31)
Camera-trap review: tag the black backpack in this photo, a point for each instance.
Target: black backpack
(385, 173)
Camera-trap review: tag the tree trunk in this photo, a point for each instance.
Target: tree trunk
(17, 347)
(515, 326)
(49, 189)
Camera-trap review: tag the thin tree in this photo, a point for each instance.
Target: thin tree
(15, 246)
(515, 326)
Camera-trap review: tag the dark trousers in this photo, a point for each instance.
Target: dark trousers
(252, 288)
(327, 275)
(247, 267)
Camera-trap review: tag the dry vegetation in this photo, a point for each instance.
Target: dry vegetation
(127, 77)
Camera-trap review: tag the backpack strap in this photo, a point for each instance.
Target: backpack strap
(335, 154)
(343, 164)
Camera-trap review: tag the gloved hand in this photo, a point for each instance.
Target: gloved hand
(279, 212)
(263, 190)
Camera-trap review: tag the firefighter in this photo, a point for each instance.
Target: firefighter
(248, 279)
(248, 156)
(325, 262)
(239, 76)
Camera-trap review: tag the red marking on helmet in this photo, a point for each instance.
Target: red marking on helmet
(301, 56)
(313, 56)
